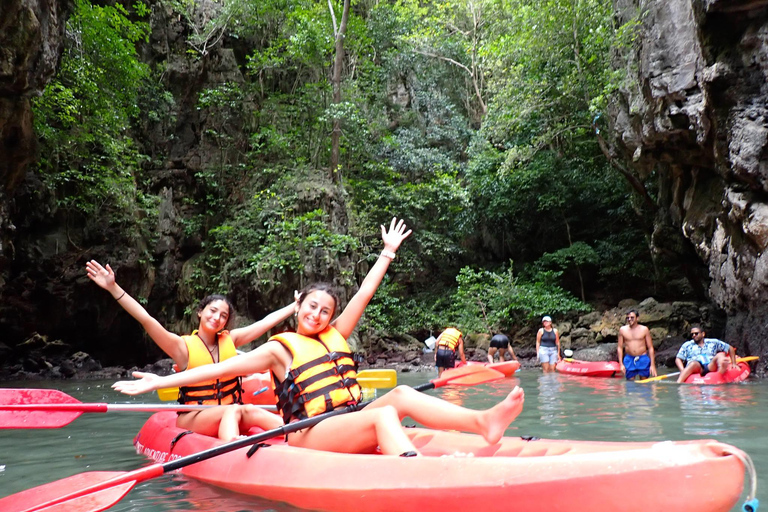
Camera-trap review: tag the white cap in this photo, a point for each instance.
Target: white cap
(568, 352)
(546, 319)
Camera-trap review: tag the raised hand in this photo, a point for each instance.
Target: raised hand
(393, 237)
(147, 382)
(104, 277)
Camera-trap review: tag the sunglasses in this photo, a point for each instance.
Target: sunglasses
(695, 333)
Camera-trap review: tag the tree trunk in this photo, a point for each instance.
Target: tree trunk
(338, 64)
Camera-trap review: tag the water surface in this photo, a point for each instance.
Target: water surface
(556, 406)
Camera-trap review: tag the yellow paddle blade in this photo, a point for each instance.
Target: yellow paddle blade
(377, 379)
(168, 394)
(660, 377)
(746, 359)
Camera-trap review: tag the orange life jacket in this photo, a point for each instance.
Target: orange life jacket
(321, 376)
(450, 339)
(211, 392)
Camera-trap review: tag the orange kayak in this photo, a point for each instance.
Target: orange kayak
(508, 368)
(460, 469)
(589, 368)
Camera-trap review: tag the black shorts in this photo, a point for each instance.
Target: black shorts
(499, 343)
(445, 358)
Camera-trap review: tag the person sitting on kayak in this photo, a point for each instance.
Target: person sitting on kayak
(703, 355)
(209, 344)
(448, 343)
(296, 368)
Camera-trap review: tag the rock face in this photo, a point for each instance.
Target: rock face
(31, 41)
(692, 115)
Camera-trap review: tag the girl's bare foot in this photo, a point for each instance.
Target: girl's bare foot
(496, 419)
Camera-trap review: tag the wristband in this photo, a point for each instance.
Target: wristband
(120, 297)
(388, 254)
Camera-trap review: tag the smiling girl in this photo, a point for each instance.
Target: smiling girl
(210, 343)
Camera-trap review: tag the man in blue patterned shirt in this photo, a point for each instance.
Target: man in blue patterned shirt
(703, 355)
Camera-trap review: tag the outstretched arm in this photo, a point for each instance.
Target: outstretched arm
(392, 239)
(263, 358)
(243, 335)
(620, 351)
(169, 342)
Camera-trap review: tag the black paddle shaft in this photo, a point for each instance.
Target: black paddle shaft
(269, 434)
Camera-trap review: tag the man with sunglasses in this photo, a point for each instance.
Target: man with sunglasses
(635, 348)
(703, 355)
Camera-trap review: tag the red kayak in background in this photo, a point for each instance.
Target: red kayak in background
(736, 373)
(589, 368)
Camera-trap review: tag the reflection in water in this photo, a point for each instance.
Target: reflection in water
(551, 400)
(713, 410)
(640, 410)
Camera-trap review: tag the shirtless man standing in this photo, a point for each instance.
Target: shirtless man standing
(639, 359)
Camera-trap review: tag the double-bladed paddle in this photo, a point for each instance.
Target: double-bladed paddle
(97, 491)
(668, 375)
(51, 408)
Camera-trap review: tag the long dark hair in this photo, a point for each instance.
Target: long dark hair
(321, 287)
(213, 298)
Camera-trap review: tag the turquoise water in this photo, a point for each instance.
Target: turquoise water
(556, 406)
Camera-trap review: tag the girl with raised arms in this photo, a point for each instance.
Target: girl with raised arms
(209, 344)
(314, 373)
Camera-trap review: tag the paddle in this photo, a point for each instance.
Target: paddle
(96, 491)
(373, 379)
(50, 408)
(668, 375)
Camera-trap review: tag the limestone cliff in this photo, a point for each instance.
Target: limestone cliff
(692, 116)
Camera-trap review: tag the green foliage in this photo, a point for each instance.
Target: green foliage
(488, 301)
(83, 116)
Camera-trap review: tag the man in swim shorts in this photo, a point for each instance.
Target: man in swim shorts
(636, 355)
(703, 355)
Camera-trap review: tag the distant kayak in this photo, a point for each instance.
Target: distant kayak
(508, 368)
(738, 373)
(461, 471)
(589, 368)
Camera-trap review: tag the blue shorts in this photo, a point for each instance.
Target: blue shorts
(637, 365)
(704, 361)
(548, 355)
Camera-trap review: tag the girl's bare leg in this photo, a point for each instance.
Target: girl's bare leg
(204, 422)
(238, 419)
(492, 351)
(436, 413)
(357, 432)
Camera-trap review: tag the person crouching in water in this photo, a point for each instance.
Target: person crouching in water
(293, 358)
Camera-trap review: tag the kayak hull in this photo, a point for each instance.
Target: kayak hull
(589, 368)
(508, 368)
(733, 374)
(512, 474)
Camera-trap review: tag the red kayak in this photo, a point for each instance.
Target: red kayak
(460, 469)
(589, 368)
(738, 373)
(508, 368)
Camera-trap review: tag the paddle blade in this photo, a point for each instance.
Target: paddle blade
(35, 419)
(660, 377)
(168, 394)
(470, 375)
(48, 497)
(377, 379)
